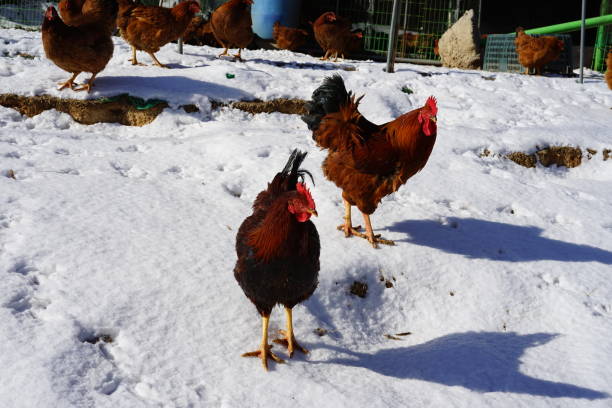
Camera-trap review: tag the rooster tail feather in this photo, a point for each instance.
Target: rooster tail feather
(292, 172)
(328, 98)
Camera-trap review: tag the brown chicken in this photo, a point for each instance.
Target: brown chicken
(199, 32)
(288, 38)
(536, 52)
(367, 161)
(609, 70)
(75, 49)
(101, 13)
(148, 28)
(333, 33)
(278, 252)
(232, 26)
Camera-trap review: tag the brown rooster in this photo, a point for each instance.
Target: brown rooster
(232, 25)
(75, 49)
(367, 161)
(536, 52)
(148, 28)
(288, 38)
(278, 252)
(333, 34)
(101, 13)
(609, 70)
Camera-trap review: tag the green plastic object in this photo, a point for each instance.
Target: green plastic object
(136, 102)
(571, 26)
(230, 76)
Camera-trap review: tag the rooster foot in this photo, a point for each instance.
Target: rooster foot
(264, 354)
(67, 84)
(350, 230)
(85, 87)
(290, 342)
(376, 239)
(135, 62)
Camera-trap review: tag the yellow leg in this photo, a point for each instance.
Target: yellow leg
(347, 227)
(323, 58)
(264, 351)
(224, 51)
(156, 61)
(237, 56)
(69, 83)
(133, 59)
(369, 235)
(87, 87)
(289, 340)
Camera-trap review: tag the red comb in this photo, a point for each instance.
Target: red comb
(301, 188)
(432, 105)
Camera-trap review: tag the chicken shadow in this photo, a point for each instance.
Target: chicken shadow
(329, 66)
(478, 361)
(480, 239)
(148, 87)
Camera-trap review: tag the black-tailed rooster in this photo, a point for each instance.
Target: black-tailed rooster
(278, 252)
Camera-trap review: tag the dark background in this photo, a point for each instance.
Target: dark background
(503, 17)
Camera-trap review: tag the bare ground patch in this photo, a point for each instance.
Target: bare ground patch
(119, 109)
(562, 156)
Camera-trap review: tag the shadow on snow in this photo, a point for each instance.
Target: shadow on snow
(478, 361)
(482, 239)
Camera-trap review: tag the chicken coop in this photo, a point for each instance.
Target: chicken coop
(500, 55)
(420, 23)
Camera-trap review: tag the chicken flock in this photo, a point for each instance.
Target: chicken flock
(277, 246)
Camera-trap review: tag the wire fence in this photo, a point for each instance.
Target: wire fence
(421, 23)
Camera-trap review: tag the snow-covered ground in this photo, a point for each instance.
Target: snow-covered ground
(501, 274)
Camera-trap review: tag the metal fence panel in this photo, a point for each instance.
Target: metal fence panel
(500, 55)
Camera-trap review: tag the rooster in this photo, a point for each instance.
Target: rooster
(148, 28)
(536, 52)
(278, 252)
(75, 49)
(333, 34)
(232, 25)
(367, 161)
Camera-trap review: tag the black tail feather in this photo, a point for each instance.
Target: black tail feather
(328, 98)
(292, 171)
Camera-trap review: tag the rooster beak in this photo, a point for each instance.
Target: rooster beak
(312, 212)
(433, 119)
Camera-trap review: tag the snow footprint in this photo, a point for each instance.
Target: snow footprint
(129, 171)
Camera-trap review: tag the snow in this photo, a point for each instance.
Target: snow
(500, 273)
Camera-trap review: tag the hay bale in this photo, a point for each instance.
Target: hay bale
(459, 46)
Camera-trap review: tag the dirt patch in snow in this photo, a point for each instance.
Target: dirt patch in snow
(563, 156)
(281, 105)
(120, 109)
(133, 111)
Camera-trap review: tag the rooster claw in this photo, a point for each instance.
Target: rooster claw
(290, 345)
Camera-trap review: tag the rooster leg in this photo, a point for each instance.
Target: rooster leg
(225, 50)
(264, 352)
(289, 340)
(347, 227)
(237, 56)
(156, 61)
(369, 235)
(323, 58)
(335, 56)
(133, 59)
(87, 87)
(69, 83)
